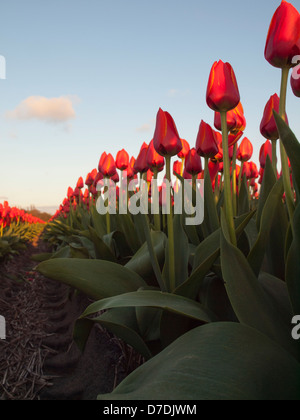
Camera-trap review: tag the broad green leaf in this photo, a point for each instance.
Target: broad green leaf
(126, 225)
(248, 299)
(103, 252)
(213, 296)
(221, 361)
(293, 265)
(141, 262)
(121, 322)
(257, 253)
(97, 279)
(268, 183)
(99, 222)
(292, 147)
(153, 299)
(277, 291)
(243, 199)
(190, 288)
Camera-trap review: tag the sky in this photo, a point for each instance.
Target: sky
(87, 76)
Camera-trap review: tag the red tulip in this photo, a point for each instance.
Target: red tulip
(234, 138)
(70, 193)
(295, 82)
(254, 170)
(231, 120)
(98, 178)
(101, 161)
(80, 183)
(283, 40)
(130, 170)
(141, 164)
(185, 149)
(154, 160)
(245, 151)
(166, 139)
(193, 164)
(108, 168)
(240, 119)
(213, 167)
(268, 127)
(222, 91)
(122, 160)
(177, 166)
(265, 150)
(206, 143)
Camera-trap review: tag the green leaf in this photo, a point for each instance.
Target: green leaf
(97, 279)
(221, 361)
(243, 199)
(292, 147)
(257, 253)
(277, 291)
(248, 299)
(210, 209)
(293, 265)
(153, 299)
(103, 252)
(141, 262)
(121, 322)
(268, 183)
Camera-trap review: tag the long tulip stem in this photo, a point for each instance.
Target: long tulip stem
(240, 175)
(284, 159)
(170, 230)
(157, 224)
(274, 156)
(234, 180)
(227, 184)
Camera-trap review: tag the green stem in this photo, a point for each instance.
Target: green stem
(274, 156)
(170, 230)
(156, 197)
(234, 180)
(206, 171)
(227, 185)
(108, 227)
(240, 175)
(284, 158)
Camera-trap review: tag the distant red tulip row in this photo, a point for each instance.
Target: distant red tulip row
(9, 215)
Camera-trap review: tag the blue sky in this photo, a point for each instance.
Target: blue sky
(116, 62)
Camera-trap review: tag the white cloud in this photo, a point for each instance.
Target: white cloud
(177, 93)
(149, 126)
(53, 110)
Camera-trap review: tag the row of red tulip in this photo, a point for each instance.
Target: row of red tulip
(9, 215)
(223, 97)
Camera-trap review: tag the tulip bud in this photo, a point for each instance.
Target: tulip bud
(283, 40)
(193, 164)
(295, 82)
(231, 120)
(222, 91)
(245, 151)
(108, 168)
(268, 127)
(122, 160)
(80, 183)
(166, 139)
(101, 161)
(185, 149)
(154, 160)
(141, 164)
(206, 143)
(265, 150)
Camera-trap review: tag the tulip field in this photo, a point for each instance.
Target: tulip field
(210, 310)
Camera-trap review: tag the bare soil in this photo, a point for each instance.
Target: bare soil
(39, 359)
